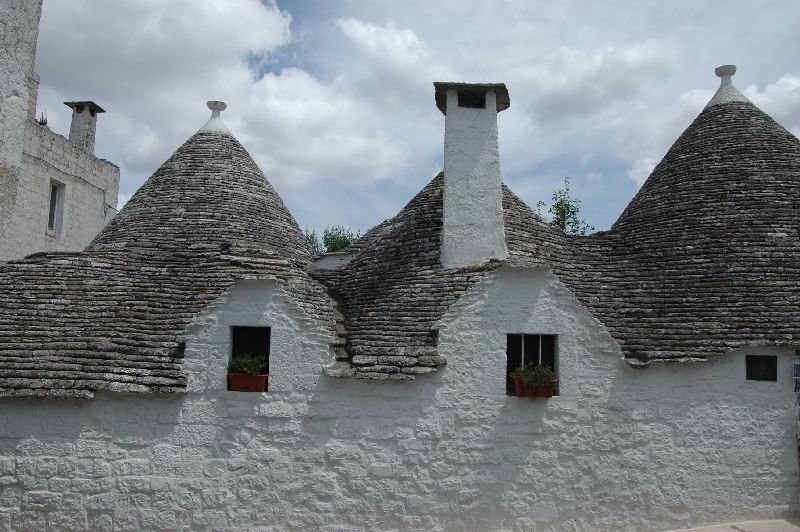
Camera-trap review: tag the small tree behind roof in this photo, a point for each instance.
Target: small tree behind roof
(564, 211)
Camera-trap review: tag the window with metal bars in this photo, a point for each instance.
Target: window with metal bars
(761, 368)
(521, 349)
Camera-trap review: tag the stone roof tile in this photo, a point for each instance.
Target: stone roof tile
(113, 316)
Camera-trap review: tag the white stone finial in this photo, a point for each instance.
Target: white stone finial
(215, 123)
(726, 92)
(725, 72)
(216, 106)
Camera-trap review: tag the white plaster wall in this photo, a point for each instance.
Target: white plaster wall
(19, 28)
(618, 450)
(89, 182)
(473, 228)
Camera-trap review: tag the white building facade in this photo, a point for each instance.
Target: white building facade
(618, 449)
(55, 194)
(387, 405)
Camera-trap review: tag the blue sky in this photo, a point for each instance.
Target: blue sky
(334, 100)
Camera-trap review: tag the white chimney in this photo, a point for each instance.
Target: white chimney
(84, 124)
(473, 230)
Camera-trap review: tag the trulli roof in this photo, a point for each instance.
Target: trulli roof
(704, 260)
(113, 317)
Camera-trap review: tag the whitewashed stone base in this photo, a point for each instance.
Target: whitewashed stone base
(620, 449)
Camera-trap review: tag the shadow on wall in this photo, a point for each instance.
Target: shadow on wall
(668, 446)
(714, 446)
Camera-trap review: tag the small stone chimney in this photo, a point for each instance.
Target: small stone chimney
(84, 124)
(473, 230)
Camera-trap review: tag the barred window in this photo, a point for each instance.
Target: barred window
(761, 368)
(524, 349)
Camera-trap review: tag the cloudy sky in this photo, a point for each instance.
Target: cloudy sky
(334, 100)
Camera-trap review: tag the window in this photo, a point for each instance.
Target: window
(251, 341)
(248, 367)
(473, 100)
(56, 209)
(761, 368)
(524, 349)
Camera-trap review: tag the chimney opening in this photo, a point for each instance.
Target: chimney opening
(473, 100)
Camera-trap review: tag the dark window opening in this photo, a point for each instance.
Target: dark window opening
(251, 341)
(55, 206)
(472, 99)
(761, 368)
(524, 349)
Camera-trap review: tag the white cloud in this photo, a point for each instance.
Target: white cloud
(641, 170)
(781, 100)
(399, 47)
(573, 83)
(122, 199)
(643, 134)
(153, 65)
(302, 130)
(347, 102)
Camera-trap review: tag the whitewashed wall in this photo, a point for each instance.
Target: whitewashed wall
(619, 449)
(89, 183)
(19, 28)
(473, 199)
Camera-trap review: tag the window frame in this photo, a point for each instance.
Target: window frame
(556, 360)
(55, 208)
(231, 352)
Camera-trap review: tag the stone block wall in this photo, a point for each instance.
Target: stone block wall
(91, 187)
(19, 29)
(619, 449)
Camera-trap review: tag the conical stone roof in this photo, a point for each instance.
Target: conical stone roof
(210, 191)
(113, 317)
(704, 260)
(707, 254)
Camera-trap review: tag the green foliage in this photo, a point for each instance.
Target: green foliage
(313, 241)
(534, 376)
(247, 364)
(334, 238)
(564, 211)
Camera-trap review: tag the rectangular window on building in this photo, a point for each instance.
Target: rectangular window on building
(56, 208)
(248, 366)
(761, 368)
(521, 349)
(251, 341)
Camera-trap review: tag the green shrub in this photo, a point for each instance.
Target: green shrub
(250, 365)
(534, 376)
(313, 242)
(337, 237)
(334, 238)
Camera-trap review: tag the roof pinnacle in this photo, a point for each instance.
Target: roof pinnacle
(725, 72)
(215, 123)
(726, 92)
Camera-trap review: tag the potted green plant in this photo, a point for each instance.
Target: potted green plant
(533, 380)
(247, 373)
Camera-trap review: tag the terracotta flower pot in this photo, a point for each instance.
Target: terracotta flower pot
(543, 391)
(242, 382)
